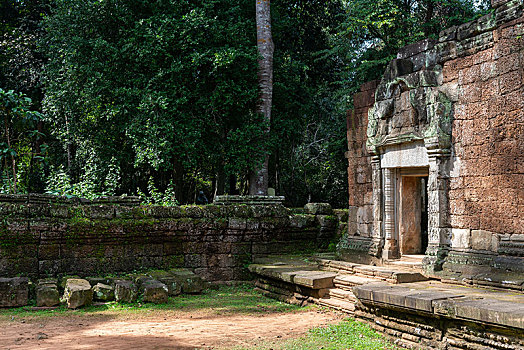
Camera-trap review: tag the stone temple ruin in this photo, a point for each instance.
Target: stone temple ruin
(430, 251)
(435, 152)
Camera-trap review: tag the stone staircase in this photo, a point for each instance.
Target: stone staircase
(323, 280)
(399, 302)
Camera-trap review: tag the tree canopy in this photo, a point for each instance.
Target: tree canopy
(149, 97)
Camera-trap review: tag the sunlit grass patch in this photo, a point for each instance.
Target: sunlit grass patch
(347, 335)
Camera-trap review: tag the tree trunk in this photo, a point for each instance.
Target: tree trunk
(220, 180)
(258, 179)
(13, 162)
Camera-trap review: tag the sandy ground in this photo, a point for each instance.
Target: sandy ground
(157, 330)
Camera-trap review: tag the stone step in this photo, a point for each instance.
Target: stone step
(347, 282)
(345, 306)
(400, 271)
(315, 279)
(303, 275)
(341, 294)
(406, 264)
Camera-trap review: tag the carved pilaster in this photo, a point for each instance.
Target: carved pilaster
(390, 244)
(438, 210)
(377, 236)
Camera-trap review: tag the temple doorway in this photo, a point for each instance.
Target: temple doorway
(412, 213)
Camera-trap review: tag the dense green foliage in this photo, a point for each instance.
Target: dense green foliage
(162, 89)
(144, 97)
(372, 33)
(20, 148)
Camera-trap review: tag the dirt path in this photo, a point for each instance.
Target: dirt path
(157, 330)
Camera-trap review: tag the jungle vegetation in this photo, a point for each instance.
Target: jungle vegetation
(114, 97)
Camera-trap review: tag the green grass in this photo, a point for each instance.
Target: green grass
(241, 299)
(347, 335)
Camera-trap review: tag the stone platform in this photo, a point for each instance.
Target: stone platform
(413, 311)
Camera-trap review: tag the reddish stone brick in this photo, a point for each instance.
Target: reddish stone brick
(364, 99)
(490, 89)
(470, 93)
(456, 183)
(510, 82)
(469, 75)
(457, 194)
(507, 63)
(488, 70)
(483, 56)
(512, 101)
(370, 85)
(457, 207)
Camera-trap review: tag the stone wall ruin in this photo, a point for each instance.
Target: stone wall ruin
(43, 236)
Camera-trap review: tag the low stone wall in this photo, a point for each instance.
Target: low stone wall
(49, 236)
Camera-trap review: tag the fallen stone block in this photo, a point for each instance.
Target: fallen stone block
(14, 292)
(78, 293)
(190, 282)
(174, 285)
(154, 292)
(125, 291)
(63, 280)
(93, 281)
(103, 292)
(47, 293)
(141, 279)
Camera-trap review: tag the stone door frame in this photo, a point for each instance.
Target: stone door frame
(391, 173)
(431, 140)
(385, 235)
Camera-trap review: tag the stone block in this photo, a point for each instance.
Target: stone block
(398, 68)
(174, 285)
(47, 293)
(319, 208)
(314, 279)
(190, 282)
(14, 292)
(125, 291)
(154, 292)
(93, 281)
(78, 293)
(408, 277)
(461, 238)
(103, 292)
(481, 240)
(327, 221)
(416, 48)
(485, 310)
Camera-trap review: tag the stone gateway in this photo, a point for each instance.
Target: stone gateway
(435, 158)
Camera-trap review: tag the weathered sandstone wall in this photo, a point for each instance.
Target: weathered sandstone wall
(48, 236)
(458, 101)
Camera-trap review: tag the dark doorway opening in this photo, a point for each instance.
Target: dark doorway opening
(413, 213)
